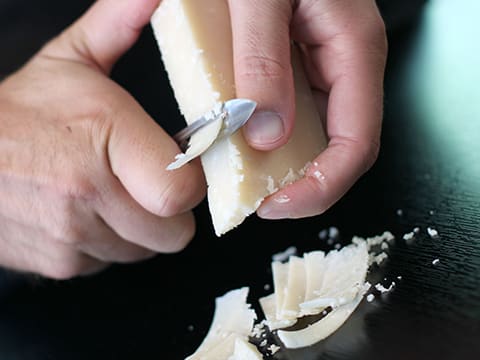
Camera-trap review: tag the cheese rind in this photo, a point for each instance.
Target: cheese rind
(195, 39)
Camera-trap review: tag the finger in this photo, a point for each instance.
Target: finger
(354, 116)
(138, 153)
(261, 45)
(103, 33)
(138, 226)
(332, 173)
(351, 65)
(28, 250)
(102, 243)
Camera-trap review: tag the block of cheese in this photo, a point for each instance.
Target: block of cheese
(195, 40)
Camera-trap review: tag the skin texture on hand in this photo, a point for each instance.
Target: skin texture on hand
(82, 166)
(344, 49)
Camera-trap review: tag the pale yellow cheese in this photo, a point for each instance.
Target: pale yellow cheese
(233, 318)
(245, 351)
(295, 291)
(320, 329)
(195, 40)
(310, 285)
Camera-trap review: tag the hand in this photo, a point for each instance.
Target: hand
(82, 166)
(345, 54)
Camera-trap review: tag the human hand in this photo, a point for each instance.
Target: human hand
(345, 50)
(82, 166)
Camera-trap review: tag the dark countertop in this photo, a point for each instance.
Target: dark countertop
(429, 167)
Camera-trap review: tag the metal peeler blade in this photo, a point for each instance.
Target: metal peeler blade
(235, 114)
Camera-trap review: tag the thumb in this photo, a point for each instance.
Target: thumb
(103, 33)
(261, 45)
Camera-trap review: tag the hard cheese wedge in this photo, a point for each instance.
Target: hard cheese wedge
(195, 40)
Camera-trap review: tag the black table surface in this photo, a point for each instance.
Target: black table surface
(429, 168)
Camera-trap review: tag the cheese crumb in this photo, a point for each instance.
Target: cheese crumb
(289, 178)
(408, 236)
(383, 289)
(378, 259)
(323, 234)
(271, 185)
(284, 255)
(436, 262)
(432, 232)
(319, 175)
(333, 232)
(258, 330)
(370, 297)
(376, 240)
(281, 199)
(399, 212)
(273, 349)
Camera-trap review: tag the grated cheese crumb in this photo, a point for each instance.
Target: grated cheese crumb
(436, 262)
(284, 255)
(409, 236)
(378, 240)
(383, 289)
(370, 297)
(273, 349)
(323, 234)
(432, 232)
(318, 175)
(281, 199)
(378, 259)
(258, 330)
(333, 232)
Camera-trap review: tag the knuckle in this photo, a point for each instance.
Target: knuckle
(70, 235)
(373, 32)
(369, 153)
(180, 195)
(65, 226)
(64, 229)
(318, 185)
(63, 269)
(262, 66)
(168, 204)
(80, 188)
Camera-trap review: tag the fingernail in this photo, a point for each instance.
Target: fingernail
(264, 127)
(272, 212)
